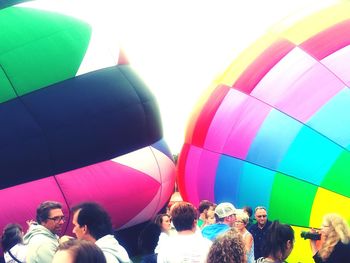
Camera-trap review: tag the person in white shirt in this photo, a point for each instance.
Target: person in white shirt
(12, 244)
(164, 222)
(185, 246)
(92, 223)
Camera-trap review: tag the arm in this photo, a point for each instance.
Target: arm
(248, 240)
(313, 246)
(314, 251)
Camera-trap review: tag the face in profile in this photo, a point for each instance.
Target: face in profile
(78, 230)
(325, 229)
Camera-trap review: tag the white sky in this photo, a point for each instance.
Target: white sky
(178, 47)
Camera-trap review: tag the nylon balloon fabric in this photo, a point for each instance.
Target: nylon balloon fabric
(77, 122)
(274, 130)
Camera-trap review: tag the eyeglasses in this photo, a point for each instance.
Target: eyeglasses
(57, 219)
(260, 216)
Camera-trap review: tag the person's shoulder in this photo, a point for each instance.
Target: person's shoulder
(261, 260)
(343, 247)
(253, 227)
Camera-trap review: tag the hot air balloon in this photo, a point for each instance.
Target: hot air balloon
(274, 130)
(77, 122)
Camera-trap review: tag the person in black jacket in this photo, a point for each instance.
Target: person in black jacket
(259, 230)
(335, 241)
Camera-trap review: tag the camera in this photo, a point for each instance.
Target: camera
(310, 235)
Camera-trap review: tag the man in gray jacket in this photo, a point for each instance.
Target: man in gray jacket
(91, 222)
(42, 235)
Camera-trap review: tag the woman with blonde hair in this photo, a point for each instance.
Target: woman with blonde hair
(242, 220)
(335, 241)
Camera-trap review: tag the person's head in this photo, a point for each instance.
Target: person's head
(164, 222)
(11, 236)
(227, 248)
(226, 213)
(261, 215)
(279, 241)
(78, 251)
(334, 228)
(91, 221)
(184, 216)
(242, 220)
(210, 218)
(148, 238)
(204, 207)
(50, 215)
(248, 210)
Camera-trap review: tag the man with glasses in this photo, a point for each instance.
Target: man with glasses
(259, 230)
(42, 236)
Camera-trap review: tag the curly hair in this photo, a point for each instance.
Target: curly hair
(338, 231)
(227, 248)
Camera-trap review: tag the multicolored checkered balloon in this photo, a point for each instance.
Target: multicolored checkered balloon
(274, 130)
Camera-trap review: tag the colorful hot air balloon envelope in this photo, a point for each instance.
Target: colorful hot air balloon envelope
(274, 130)
(77, 123)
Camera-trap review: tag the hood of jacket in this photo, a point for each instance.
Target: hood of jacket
(112, 249)
(36, 231)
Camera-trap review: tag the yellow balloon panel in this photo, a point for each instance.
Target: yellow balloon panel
(328, 202)
(240, 64)
(301, 252)
(316, 23)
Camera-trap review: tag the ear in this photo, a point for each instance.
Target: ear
(85, 229)
(194, 226)
(289, 244)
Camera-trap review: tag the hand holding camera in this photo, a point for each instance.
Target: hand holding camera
(310, 235)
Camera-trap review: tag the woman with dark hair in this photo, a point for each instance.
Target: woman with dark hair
(78, 251)
(164, 222)
(335, 241)
(278, 244)
(12, 244)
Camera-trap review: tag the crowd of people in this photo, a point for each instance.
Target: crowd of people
(94, 240)
(208, 233)
(241, 236)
